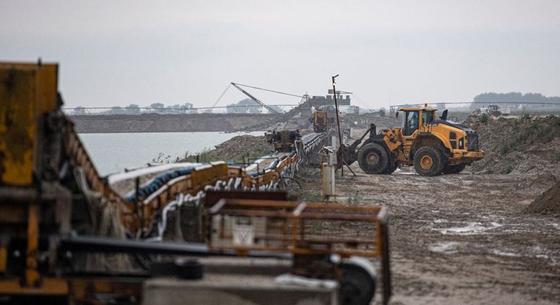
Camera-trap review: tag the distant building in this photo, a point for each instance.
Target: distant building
(157, 107)
(326, 101)
(132, 109)
(342, 98)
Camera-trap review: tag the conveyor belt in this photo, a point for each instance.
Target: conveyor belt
(189, 180)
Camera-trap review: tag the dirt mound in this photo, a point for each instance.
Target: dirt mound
(235, 149)
(516, 145)
(547, 203)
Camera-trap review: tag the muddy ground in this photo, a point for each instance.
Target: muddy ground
(463, 238)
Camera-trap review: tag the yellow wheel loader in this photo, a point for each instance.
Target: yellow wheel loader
(433, 146)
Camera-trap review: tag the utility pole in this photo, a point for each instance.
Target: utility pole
(339, 151)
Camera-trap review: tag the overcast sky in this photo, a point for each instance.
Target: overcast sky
(387, 52)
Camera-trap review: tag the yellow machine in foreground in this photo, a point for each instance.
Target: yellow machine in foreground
(432, 146)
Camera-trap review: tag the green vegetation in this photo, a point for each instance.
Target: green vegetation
(514, 97)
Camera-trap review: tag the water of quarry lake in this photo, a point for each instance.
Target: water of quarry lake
(114, 152)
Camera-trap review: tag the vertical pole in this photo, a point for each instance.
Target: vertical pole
(338, 151)
(257, 177)
(386, 265)
(139, 208)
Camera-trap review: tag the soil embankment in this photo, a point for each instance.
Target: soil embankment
(529, 145)
(236, 149)
(168, 122)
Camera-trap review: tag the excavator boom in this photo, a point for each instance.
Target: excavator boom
(270, 109)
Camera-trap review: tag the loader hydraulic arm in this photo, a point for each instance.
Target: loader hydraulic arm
(371, 131)
(350, 153)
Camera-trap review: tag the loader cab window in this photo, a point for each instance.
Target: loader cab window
(410, 123)
(427, 117)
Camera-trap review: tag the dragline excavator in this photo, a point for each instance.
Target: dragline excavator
(270, 109)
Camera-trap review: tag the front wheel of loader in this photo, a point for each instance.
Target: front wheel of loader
(391, 168)
(428, 161)
(373, 158)
(454, 169)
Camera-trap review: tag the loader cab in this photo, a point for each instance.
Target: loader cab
(416, 118)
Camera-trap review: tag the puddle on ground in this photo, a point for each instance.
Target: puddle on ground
(448, 247)
(536, 252)
(504, 253)
(471, 228)
(440, 220)
(404, 172)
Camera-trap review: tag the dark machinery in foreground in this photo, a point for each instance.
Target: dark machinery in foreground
(283, 140)
(59, 220)
(323, 118)
(432, 146)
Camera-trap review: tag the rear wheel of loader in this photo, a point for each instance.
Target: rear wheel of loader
(454, 169)
(373, 158)
(428, 161)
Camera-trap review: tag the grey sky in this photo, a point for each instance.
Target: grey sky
(387, 52)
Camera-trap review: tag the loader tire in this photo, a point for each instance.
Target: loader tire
(391, 165)
(428, 161)
(454, 169)
(391, 168)
(373, 158)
